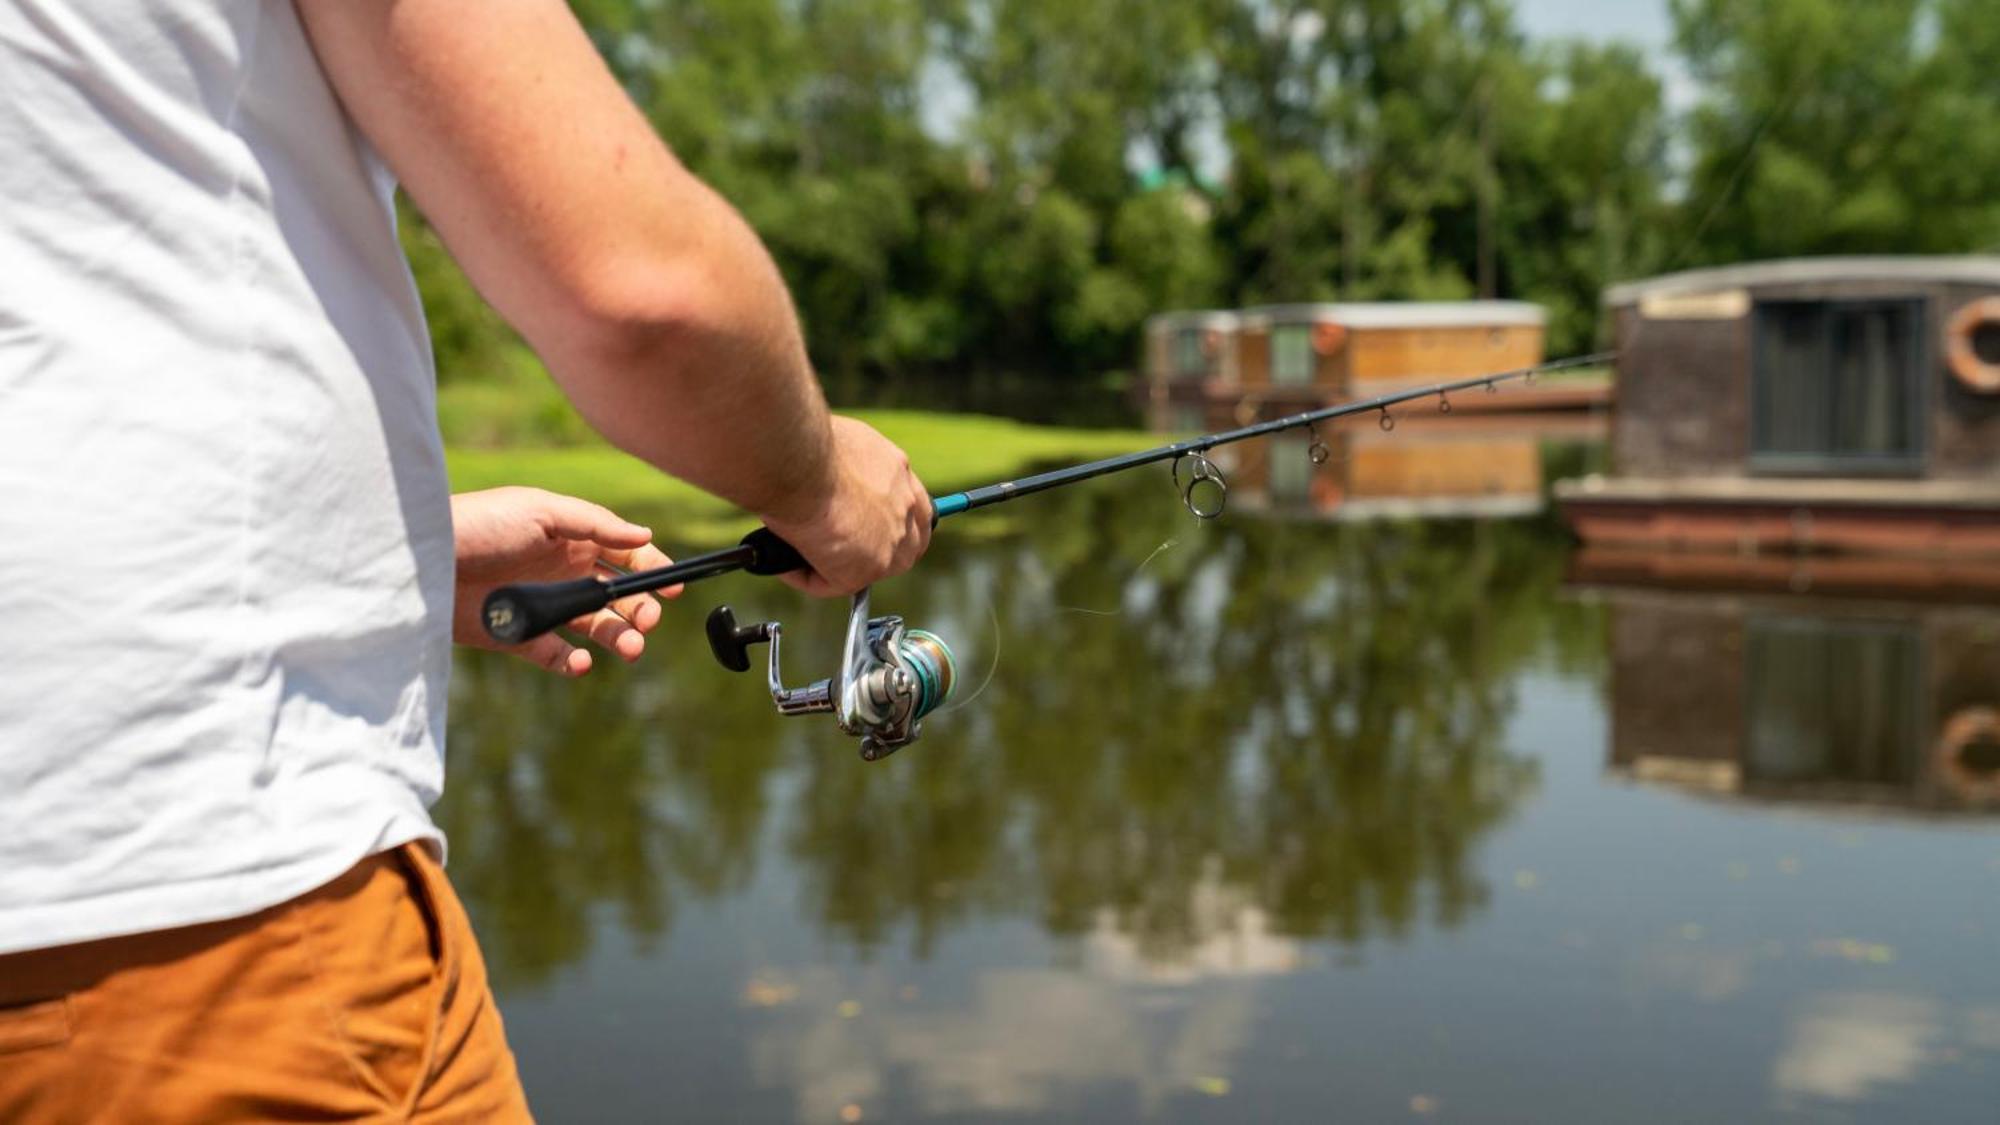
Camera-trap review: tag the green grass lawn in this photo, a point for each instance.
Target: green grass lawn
(950, 452)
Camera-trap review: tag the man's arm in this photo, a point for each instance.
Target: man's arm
(652, 302)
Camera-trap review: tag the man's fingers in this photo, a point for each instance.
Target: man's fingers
(810, 583)
(568, 517)
(642, 610)
(556, 655)
(643, 557)
(613, 632)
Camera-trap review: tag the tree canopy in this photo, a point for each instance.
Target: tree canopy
(964, 187)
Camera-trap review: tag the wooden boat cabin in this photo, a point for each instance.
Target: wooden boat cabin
(1190, 365)
(1326, 353)
(1825, 405)
(1209, 370)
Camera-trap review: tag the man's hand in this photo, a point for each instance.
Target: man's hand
(874, 522)
(509, 535)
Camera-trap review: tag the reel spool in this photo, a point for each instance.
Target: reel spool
(890, 676)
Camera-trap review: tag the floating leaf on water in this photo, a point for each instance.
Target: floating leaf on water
(1423, 1105)
(1788, 866)
(1693, 931)
(766, 992)
(1855, 951)
(907, 993)
(850, 1113)
(848, 1009)
(1212, 1085)
(1737, 869)
(1527, 880)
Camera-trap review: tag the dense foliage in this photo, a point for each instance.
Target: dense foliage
(957, 188)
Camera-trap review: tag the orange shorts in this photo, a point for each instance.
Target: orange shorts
(365, 1000)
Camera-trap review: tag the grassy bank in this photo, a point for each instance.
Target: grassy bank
(515, 434)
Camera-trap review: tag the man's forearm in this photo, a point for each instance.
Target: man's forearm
(649, 298)
(700, 370)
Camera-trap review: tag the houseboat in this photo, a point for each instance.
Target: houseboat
(1191, 370)
(1846, 406)
(1213, 369)
(1324, 354)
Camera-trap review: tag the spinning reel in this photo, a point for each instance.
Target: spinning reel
(889, 678)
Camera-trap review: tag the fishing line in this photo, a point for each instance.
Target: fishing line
(992, 666)
(1121, 611)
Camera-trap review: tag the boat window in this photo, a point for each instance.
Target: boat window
(1838, 386)
(1291, 470)
(1292, 355)
(1189, 358)
(1834, 702)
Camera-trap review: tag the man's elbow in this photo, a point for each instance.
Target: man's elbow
(636, 317)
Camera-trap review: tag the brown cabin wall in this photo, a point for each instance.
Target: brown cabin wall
(1965, 427)
(1382, 357)
(1158, 357)
(1676, 681)
(1683, 396)
(1331, 368)
(1684, 387)
(1437, 468)
(1377, 359)
(1253, 357)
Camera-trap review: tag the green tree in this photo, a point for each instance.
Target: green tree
(1839, 126)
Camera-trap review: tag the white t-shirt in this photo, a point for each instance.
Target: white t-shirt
(225, 537)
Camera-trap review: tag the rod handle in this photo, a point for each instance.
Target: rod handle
(514, 614)
(771, 555)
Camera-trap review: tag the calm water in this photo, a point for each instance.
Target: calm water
(1284, 821)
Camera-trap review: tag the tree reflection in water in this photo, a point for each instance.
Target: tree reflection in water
(1313, 711)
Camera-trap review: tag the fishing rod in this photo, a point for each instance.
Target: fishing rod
(891, 676)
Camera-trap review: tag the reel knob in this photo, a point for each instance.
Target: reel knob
(731, 642)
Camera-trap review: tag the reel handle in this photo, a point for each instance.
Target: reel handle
(731, 642)
(522, 612)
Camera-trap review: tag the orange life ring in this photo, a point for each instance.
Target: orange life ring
(1979, 374)
(1327, 338)
(1969, 727)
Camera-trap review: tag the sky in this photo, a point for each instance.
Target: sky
(1641, 22)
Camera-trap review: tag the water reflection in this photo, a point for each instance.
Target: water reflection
(1300, 719)
(1808, 699)
(1024, 1036)
(1261, 820)
(1428, 466)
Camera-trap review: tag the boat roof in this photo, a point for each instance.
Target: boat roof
(1402, 314)
(1969, 268)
